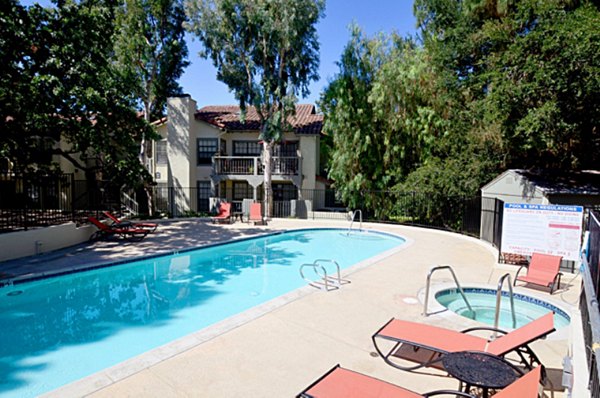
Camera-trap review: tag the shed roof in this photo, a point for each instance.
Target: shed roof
(555, 182)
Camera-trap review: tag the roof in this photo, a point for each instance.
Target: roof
(553, 182)
(227, 117)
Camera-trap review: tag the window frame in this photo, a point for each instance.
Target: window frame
(202, 157)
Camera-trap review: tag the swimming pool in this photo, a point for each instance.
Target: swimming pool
(483, 303)
(61, 329)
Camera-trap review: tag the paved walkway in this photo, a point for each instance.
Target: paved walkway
(278, 349)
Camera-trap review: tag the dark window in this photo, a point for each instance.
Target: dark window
(204, 192)
(207, 148)
(246, 148)
(241, 190)
(284, 192)
(286, 149)
(161, 152)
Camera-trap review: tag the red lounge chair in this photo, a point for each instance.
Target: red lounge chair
(426, 344)
(344, 383)
(105, 230)
(543, 270)
(224, 213)
(256, 214)
(118, 223)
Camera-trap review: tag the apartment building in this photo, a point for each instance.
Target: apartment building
(209, 154)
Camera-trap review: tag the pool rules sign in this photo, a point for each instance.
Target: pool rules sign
(546, 229)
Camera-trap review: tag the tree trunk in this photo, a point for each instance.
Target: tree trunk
(268, 188)
(144, 161)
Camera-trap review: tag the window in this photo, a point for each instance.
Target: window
(246, 148)
(242, 190)
(286, 149)
(284, 192)
(204, 191)
(161, 152)
(207, 148)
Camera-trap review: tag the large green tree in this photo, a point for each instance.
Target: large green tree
(151, 53)
(63, 98)
(267, 53)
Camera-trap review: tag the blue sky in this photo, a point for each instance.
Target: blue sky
(373, 16)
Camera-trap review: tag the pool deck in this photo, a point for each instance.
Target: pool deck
(279, 348)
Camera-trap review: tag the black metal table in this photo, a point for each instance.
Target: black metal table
(480, 369)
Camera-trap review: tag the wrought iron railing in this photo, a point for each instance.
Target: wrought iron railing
(243, 165)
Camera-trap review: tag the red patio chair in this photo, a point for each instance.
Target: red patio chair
(343, 383)
(426, 344)
(224, 213)
(256, 214)
(123, 223)
(543, 270)
(128, 233)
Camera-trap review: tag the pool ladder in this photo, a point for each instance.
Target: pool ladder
(499, 300)
(325, 281)
(359, 212)
(458, 286)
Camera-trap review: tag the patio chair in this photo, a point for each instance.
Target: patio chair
(343, 383)
(543, 270)
(224, 213)
(123, 223)
(426, 344)
(125, 232)
(256, 214)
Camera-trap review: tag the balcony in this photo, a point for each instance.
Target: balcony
(236, 166)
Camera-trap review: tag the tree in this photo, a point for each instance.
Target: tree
(64, 98)
(151, 53)
(267, 52)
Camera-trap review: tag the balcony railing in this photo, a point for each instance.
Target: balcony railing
(243, 165)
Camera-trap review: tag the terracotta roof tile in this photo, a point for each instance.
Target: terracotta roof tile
(227, 117)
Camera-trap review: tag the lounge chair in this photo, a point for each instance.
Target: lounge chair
(256, 214)
(125, 232)
(426, 344)
(123, 223)
(224, 213)
(343, 383)
(543, 270)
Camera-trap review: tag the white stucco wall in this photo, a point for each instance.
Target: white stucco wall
(41, 240)
(309, 147)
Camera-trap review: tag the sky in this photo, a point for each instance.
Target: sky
(374, 16)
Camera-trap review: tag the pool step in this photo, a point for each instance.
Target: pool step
(324, 280)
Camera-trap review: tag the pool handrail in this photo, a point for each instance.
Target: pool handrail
(499, 299)
(353, 218)
(336, 282)
(460, 289)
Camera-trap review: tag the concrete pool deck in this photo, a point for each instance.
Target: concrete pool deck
(280, 348)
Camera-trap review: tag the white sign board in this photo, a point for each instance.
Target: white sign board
(546, 229)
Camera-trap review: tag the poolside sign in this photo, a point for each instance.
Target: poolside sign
(546, 229)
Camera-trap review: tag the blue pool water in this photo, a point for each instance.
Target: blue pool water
(483, 303)
(58, 330)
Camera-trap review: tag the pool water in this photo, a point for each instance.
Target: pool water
(483, 303)
(57, 330)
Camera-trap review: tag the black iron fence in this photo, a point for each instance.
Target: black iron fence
(36, 201)
(588, 302)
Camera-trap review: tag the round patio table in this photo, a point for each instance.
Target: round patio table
(480, 369)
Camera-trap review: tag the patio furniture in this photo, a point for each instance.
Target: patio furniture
(145, 225)
(543, 270)
(256, 214)
(343, 383)
(128, 232)
(480, 369)
(224, 213)
(426, 344)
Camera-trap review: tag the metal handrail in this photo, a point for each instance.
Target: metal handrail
(499, 299)
(459, 287)
(336, 282)
(353, 217)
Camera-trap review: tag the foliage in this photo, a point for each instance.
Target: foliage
(267, 52)
(60, 97)
(151, 51)
(490, 85)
